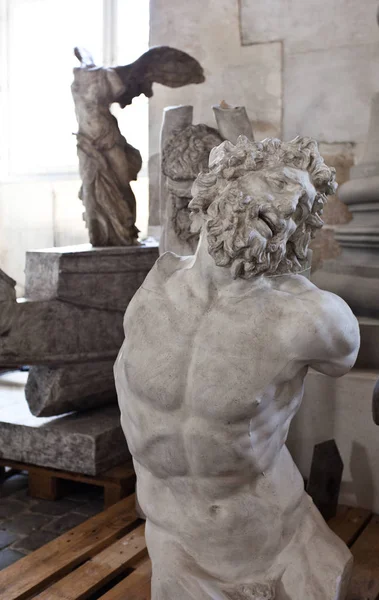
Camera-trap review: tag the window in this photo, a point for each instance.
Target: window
(39, 177)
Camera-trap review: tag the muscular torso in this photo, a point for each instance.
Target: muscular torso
(208, 386)
(208, 379)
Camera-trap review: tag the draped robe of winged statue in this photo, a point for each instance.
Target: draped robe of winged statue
(211, 373)
(107, 163)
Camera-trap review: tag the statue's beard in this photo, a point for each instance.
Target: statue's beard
(253, 246)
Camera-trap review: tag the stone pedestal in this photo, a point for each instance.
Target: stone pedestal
(341, 409)
(88, 442)
(71, 319)
(102, 278)
(354, 275)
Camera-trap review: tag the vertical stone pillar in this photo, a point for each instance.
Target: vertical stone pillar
(232, 121)
(175, 118)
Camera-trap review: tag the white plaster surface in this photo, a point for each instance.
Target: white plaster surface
(249, 76)
(341, 409)
(330, 62)
(309, 25)
(327, 93)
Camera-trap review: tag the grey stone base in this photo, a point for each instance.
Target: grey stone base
(54, 391)
(103, 278)
(51, 332)
(75, 303)
(89, 442)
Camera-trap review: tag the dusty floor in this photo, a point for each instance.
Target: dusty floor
(27, 523)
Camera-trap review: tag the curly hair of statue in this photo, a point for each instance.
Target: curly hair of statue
(233, 218)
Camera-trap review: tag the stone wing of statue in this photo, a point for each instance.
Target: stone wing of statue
(161, 64)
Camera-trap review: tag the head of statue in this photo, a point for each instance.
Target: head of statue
(261, 203)
(184, 155)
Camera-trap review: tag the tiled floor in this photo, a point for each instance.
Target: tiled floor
(27, 523)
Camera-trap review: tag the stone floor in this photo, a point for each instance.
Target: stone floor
(27, 523)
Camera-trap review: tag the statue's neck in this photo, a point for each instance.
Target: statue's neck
(205, 268)
(213, 279)
(208, 279)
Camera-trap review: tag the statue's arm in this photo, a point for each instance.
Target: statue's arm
(332, 334)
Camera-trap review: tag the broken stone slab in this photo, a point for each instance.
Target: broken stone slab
(232, 121)
(76, 299)
(54, 391)
(105, 278)
(89, 442)
(55, 333)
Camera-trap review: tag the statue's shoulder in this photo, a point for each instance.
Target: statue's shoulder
(305, 291)
(318, 307)
(166, 265)
(296, 285)
(170, 262)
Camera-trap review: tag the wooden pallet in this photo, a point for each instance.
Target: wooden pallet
(359, 529)
(105, 558)
(50, 484)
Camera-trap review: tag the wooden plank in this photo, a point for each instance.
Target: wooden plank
(113, 494)
(99, 570)
(43, 485)
(118, 473)
(136, 586)
(349, 522)
(34, 572)
(49, 484)
(365, 578)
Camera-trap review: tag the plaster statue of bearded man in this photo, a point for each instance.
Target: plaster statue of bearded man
(211, 373)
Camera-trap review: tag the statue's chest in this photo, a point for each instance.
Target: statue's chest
(211, 360)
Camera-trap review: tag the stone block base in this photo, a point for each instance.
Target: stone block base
(341, 409)
(54, 391)
(89, 442)
(103, 278)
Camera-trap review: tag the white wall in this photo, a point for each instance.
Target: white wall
(37, 214)
(340, 409)
(306, 68)
(210, 31)
(41, 214)
(301, 67)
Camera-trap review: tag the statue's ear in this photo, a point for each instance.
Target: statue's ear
(117, 87)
